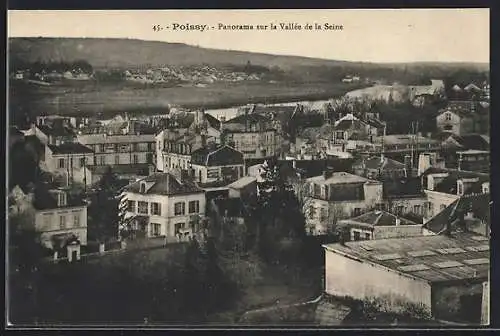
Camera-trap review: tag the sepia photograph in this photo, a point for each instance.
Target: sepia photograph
(314, 168)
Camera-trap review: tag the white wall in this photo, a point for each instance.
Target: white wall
(361, 280)
(438, 200)
(47, 222)
(167, 218)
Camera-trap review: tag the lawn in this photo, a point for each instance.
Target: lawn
(90, 99)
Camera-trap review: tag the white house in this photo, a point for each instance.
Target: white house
(59, 218)
(438, 276)
(162, 205)
(70, 160)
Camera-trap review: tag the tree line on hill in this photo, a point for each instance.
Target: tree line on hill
(39, 66)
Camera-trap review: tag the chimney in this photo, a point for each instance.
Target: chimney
(294, 164)
(398, 221)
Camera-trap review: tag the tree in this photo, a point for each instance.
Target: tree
(278, 214)
(103, 211)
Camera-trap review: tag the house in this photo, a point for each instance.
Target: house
(120, 150)
(252, 134)
(473, 160)
(176, 151)
(162, 204)
(71, 159)
(406, 198)
(333, 196)
(219, 164)
(378, 224)
(60, 218)
(469, 213)
(57, 133)
(463, 118)
(445, 186)
(405, 143)
(281, 116)
(164, 144)
(440, 276)
(380, 168)
(243, 188)
(350, 127)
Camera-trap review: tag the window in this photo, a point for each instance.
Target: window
(117, 159)
(367, 236)
(142, 188)
(135, 159)
(101, 147)
(448, 116)
(131, 206)
(102, 160)
(142, 207)
(71, 162)
(322, 214)
(179, 208)
(155, 229)
(82, 162)
(76, 221)
(486, 188)
(357, 235)
(194, 207)
(156, 209)
(399, 209)
(62, 222)
(357, 211)
(61, 163)
(417, 209)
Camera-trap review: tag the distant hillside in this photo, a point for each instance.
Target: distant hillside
(125, 53)
(120, 53)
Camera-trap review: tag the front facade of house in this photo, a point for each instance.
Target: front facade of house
(62, 219)
(253, 135)
(217, 163)
(449, 121)
(338, 196)
(162, 205)
(64, 158)
(117, 150)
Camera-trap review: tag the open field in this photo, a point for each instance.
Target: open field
(106, 99)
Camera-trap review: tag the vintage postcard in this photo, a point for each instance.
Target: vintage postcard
(248, 168)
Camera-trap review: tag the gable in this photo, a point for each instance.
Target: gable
(225, 156)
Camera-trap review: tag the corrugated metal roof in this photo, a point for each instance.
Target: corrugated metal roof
(396, 253)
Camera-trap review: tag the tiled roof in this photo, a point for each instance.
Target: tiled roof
(217, 155)
(433, 258)
(478, 204)
(92, 139)
(376, 162)
(379, 218)
(70, 148)
(212, 121)
(251, 118)
(56, 130)
(242, 182)
(338, 178)
(165, 184)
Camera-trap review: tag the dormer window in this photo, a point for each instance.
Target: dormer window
(142, 188)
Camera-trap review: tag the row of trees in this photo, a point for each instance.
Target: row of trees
(16, 64)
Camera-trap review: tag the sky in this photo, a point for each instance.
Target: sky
(381, 35)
